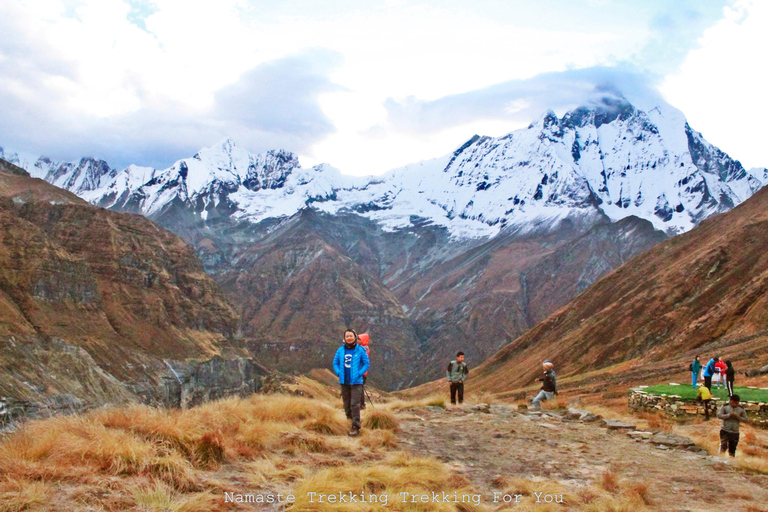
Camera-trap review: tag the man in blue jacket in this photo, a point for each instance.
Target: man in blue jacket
(709, 371)
(350, 363)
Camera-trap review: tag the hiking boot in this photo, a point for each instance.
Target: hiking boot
(354, 432)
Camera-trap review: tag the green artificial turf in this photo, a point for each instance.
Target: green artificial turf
(686, 391)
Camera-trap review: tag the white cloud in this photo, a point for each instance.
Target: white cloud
(363, 86)
(721, 84)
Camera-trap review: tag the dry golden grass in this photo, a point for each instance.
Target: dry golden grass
(156, 458)
(398, 405)
(608, 494)
(378, 439)
(397, 473)
(380, 419)
(19, 495)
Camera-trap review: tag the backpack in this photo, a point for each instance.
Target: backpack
(690, 367)
(364, 339)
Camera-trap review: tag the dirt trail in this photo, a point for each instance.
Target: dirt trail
(503, 442)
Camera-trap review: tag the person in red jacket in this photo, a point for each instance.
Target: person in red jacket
(720, 368)
(364, 339)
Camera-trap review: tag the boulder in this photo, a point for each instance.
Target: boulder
(612, 424)
(580, 415)
(668, 439)
(484, 408)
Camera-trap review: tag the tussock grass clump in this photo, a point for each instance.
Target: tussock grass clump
(328, 422)
(19, 495)
(436, 401)
(304, 442)
(381, 419)
(377, 439)
(397, 473)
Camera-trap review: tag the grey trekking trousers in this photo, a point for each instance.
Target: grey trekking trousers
(352, 395)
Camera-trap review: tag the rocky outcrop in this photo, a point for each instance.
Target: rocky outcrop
(93, 301)
(191, 383)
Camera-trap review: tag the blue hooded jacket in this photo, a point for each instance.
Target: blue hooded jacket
(709, 370)
(358, 365)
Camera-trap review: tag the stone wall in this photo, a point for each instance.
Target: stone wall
(678, 407)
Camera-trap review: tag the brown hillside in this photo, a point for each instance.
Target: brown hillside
(702, 292)
(90, 297)
(297, 293)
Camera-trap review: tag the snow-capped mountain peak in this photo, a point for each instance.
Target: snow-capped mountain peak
(607, 157)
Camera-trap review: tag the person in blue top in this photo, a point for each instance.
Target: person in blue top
(695, 369)
(709, 371)
(350, 363)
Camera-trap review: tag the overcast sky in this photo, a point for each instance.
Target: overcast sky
(362, 85)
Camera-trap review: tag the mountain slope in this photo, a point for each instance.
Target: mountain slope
(705, 291)
(110, 293)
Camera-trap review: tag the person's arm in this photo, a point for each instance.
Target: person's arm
(464, 373)
(742, 415)
(722, 414)
(366, 362)
(448, 372)
(337, 364)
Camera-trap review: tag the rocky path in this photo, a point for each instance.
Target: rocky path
(488, 443)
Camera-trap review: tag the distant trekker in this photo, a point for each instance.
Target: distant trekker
(709, 371)
(731, 414)
(549, 386)
(695, 368)
(350, 363)
(730, 377)
(705, 396)
(457, 373)
(720, 368)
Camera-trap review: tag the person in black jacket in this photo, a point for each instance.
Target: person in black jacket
(730, 376)
(549, 386)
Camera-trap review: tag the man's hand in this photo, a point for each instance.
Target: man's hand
(461, 382)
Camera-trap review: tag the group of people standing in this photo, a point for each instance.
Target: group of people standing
(731, 413)
(722, 372)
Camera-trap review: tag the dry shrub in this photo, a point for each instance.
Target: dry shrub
(527, 487)
(657, 421)
(209, 450)
(381, 419)
(375, 439)
(303, 442)
(326, 421)
(609, 481)
(397, 473)
(436, 401)
(19, 495)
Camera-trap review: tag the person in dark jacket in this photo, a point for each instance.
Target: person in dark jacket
(732, 414)
(457, 373)
(548, 387)
(730, 376)
(350, 363)
(709, 371)
(695, 369)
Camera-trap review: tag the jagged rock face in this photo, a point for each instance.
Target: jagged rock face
(117, 286)
(700, 292)
(297, 293)
(193, 383)
(494, 293)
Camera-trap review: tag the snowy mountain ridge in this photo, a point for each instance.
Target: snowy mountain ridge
(605, 158)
